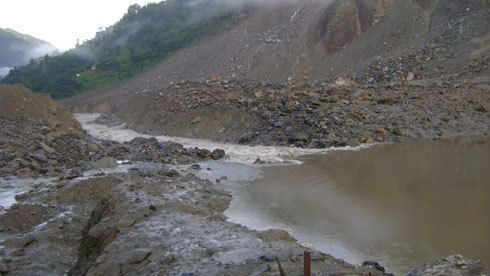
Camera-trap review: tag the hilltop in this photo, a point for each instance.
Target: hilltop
(17, 49)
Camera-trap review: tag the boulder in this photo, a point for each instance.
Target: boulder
(366, 137)
(217, 154)
(3, 267)
(125, 223)
(380, 134)
(138, 255)
(374, 265)
(298, 137)
(196, 167)
(40, 157)
(47, 148)
(196, 120)
(105, 163)
(246, 138)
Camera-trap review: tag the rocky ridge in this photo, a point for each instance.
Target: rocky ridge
(314, 115)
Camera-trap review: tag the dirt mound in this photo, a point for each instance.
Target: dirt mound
(304, 41)
(39, 137)
(19, 103)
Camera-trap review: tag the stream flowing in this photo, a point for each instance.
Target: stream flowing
(400, 205)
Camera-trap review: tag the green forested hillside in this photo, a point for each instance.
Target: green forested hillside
(142, 38)
(17, 48)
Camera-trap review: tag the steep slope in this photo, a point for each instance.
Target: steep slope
(141, 39)
(17, 49)
(376, 41)
(18, 103)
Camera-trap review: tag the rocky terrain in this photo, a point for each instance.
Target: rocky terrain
(369, 41)
(108, 208)
(38, 137)
(310, 115)
(142, 221)
(89, 215)
(319, 74)
(310, 74)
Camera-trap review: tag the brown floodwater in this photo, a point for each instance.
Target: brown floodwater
(400, 205)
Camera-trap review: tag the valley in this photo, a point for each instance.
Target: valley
(212, 137)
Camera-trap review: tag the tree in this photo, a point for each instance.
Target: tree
(134, 9)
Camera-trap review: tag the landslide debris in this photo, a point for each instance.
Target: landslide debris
(19, 103)
(37, 141)
(314, 115)
(370, 41)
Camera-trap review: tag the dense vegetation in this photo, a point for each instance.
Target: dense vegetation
(17, 48)
(142, 38)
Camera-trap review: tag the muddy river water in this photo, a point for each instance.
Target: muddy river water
(401, 205)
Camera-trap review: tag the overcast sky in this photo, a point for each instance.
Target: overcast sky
(62, 22)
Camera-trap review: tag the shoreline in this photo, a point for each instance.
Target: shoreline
(119, 216)
(314, 204)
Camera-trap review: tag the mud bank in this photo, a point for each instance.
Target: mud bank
(149, 215)
(159, 213)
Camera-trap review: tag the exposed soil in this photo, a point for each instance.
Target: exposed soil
(33, 143)
(319, 74)
(411, 70)
(38, 136)
(311, 115)
(314, 40)
(18, 103)
(128, 223)
(153, 216)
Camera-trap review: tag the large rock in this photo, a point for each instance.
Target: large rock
(138, 255)
(105, 163)
(3, 267)
(217, 154)
(125, 223)
(366, 137)
(246, 138)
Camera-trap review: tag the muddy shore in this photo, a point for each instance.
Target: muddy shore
(151, 215)
(156, 217)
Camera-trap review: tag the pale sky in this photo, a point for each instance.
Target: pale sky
(62, 22)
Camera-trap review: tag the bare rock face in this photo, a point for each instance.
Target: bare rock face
(346, 20)
(295, 41)
(452, 265)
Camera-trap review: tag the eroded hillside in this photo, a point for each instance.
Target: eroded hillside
(370, 41)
